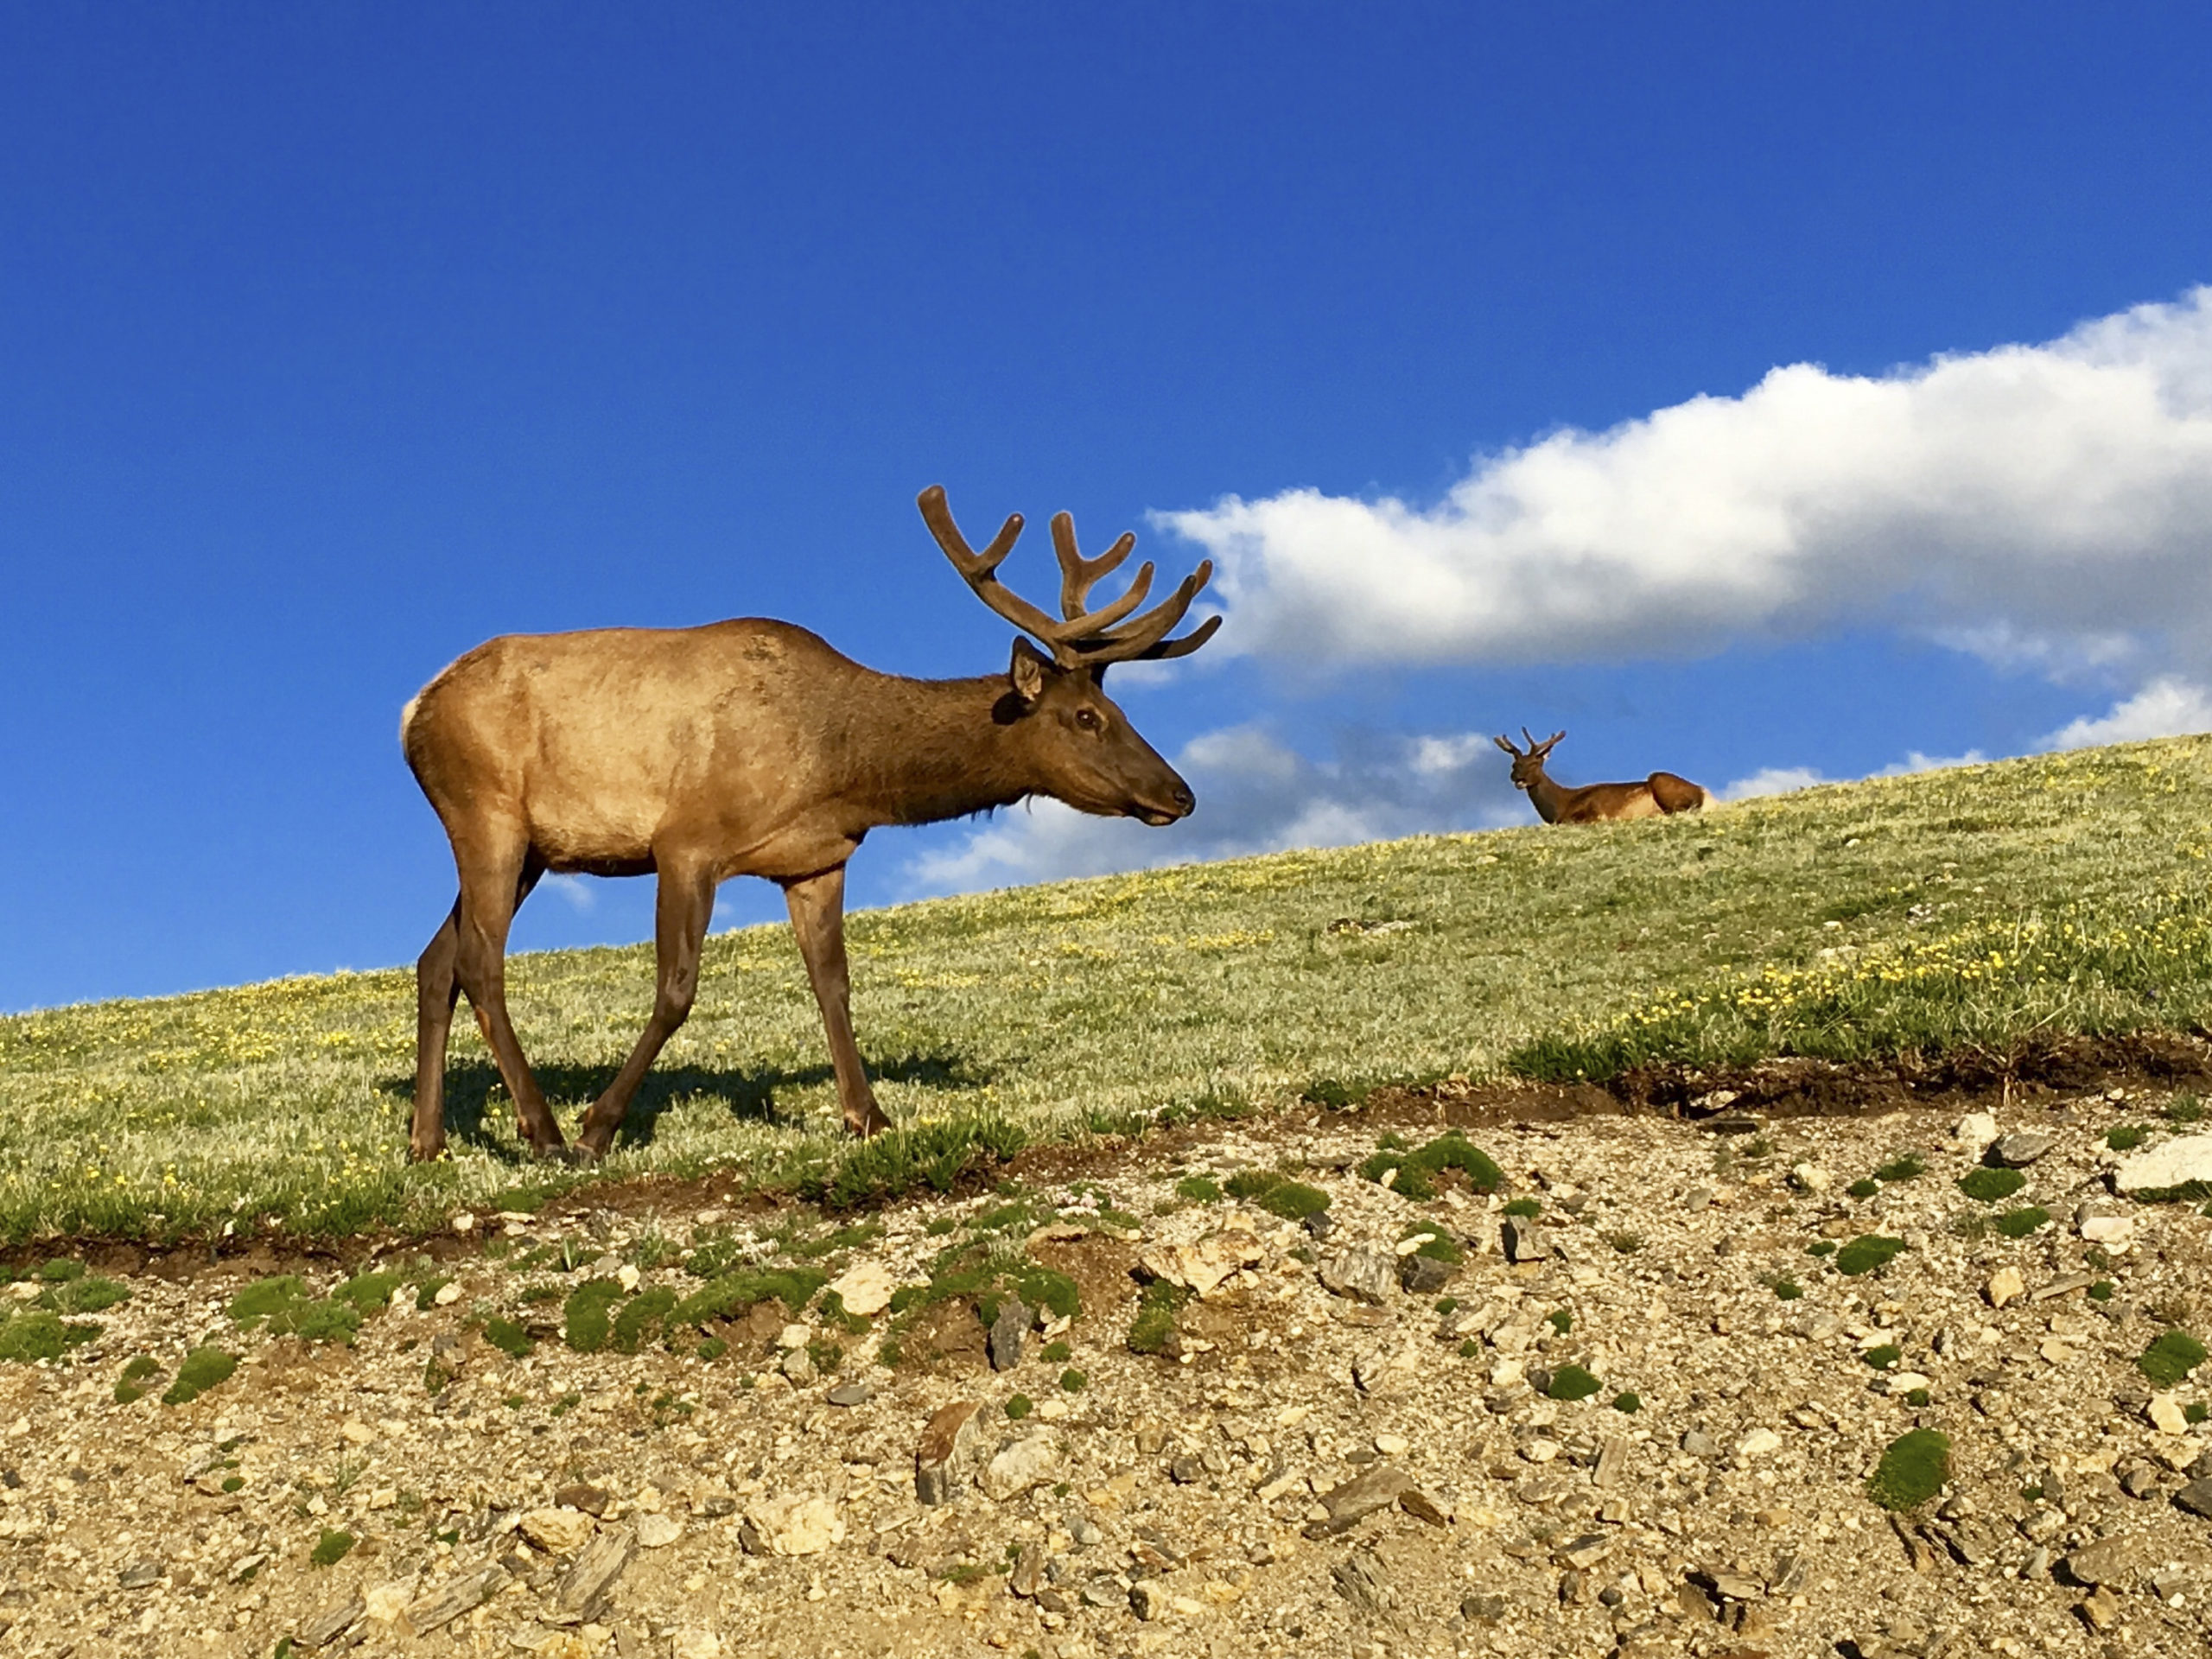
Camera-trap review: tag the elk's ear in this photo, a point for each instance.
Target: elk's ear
(1026, 675)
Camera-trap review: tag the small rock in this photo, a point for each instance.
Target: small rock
(1146, 1599)
(864, 1288)
(1186, 1471)
(2114, 1232)
(850, 1394)
(1202, 1268)
(1028, 1575)
(2021, 1147)
(2195, 1499)
(629, 1278)
(2166, 1414)
(560, 1531)
(1810, 1178)
(1393, 1446)
(2176, 1163)
(2100, 1609)
(464, 1223)
(1423, 1276)
(1699, 1444)
(794, 1524)
(1364, 1275)
(1585, 1552)
(798, 1365)
(2141, 1481)
(592, 1500)
(658, 1531)
(2109, 1560)
(1523, 1240)
(947, 1452)
(1975, 1131)
(1027, 1462)
(1320, 1224)
(2005, 1286)
(1009, 1332)
(138, 1575)
(1362, 1496)
(1362, 1580)
(332, 1621)
(696, 1644)
(1758, 1443)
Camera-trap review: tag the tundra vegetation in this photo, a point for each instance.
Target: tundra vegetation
(1983, 906)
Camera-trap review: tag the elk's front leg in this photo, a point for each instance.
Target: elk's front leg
(818, 907)
(681, 907)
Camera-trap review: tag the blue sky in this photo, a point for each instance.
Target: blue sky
(335, 339)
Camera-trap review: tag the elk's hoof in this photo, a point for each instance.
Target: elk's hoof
(558, 1153)
(869, 1127)
(426, 1155)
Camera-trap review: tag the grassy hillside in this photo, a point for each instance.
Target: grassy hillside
(1974, 905)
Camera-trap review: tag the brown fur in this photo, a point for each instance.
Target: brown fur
(1660, 795)
(748, 748)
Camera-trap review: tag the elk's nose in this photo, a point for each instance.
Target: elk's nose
(1185, 801)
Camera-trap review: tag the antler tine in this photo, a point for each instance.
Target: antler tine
(1506, 743)
(1146, 638)
(1077, 573)
(1528, 737)
(978, 570)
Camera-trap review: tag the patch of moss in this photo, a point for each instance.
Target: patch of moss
(586, 1321)
(1867, 1253)
(1072, 1381)
(1627, 1402)
(1418, 1170)
(1019, 1407)
(1277, 1193)
(509, 1338)
(60, 1270)
(1469, 1349)
(1054, 1352)
(1572, 1383)
(2126, 1137)
(1198, 1189)
(88, 1294)
(643, 1317)
(2102, 1291)
(203, 1368)
(1820, 1246)
(2018, 1224)
(370, 1292)
(133, 1384)
(1788, 1290)
(1560, 1320)
(2170, 1358)
(1905, 1167)
(1525, 1209)
(1863, 1189)
(331, 1548)
(264, 1298)
(1154, 1329)
(42, 1335)
(1883, 1357)
(1438, 1245)
(1913, 1469)
(732, 1295)
(1988, 1185)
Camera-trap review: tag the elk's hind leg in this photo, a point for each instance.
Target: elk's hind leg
(437, 988)
(492, 885)
(818, 907)
(682, 904)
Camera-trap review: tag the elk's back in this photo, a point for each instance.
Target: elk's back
(595, 743)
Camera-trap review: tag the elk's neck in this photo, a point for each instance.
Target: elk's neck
(1547, 798)
(939, 750)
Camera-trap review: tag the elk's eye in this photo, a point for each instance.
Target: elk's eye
(1087, 719)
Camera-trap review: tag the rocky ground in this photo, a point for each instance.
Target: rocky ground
(1348, 1443)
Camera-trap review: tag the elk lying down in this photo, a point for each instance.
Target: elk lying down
(1660, 794)
(750, 747)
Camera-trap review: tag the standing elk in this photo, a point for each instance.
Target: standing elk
(1660, 795)
(750, 747)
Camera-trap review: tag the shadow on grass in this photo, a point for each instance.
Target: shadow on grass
(748, 1096)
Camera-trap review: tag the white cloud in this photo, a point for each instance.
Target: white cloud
(1773, 780)
(1255, 795)
(575, 891)
(2049, 505)
(2166, 708)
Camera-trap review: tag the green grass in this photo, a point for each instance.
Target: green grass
(1982, 906)
(1988, 1186)
(203, 1368)
(1868, 1253)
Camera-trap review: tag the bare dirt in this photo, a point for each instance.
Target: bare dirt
(1175, 1504)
